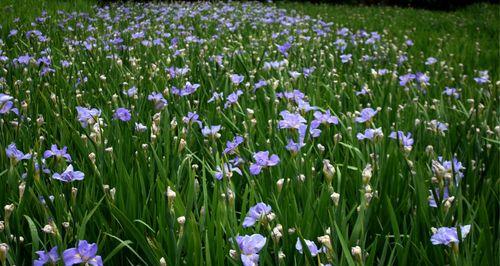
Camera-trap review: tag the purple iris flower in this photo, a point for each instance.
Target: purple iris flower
(259, 84)
(432, 200)
(409, 42)
(140, 127)
(237, 79)
(366, 115)
(325, 118)
(23, 59)
(283, 49)
(295, 147)
(451, 92)
(51, 257)
(294, 95)
(371, 134)
(405, 140)
(122, 114)
(231, 146)
(483, 78)
(305, 106)
(431, 61)
(290, 120)
(314, 132)
(346, 58)
(449, 235)
(84, 253)
(405, 79)
(69, 175)
(6, 104)
(187, 90)
(363, 91)
(216, 96)
(294, 74)
(311, 246)
(454, 165)
(250, 247)
(422, 78)
(256, 213)
(191, 118)
(211, 131)
(308, 71)
(58, 153)
(227, 171)
(13, 153)
(158, 100)
(87, 116)
(232, 98)
(262, 159)
(131, 92)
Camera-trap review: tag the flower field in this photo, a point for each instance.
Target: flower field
(248, 133)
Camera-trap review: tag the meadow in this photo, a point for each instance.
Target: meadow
(248, 133)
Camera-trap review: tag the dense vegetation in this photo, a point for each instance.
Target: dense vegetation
(213, 133)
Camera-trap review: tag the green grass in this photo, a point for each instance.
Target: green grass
(122, 205)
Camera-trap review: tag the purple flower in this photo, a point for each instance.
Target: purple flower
(187, 90)
(305, 106)
(295, 147)
(58, 153)
(158, 100)
(13, 153)
(69, 175)
(262, 160)
(140, 127)
(483, 78)
(250, 246)
(432, 200)
(422, 79)
(449, 235)
(237, 79)
(259, 84)
(256, 213)
(290, 120)
(6, 104)
(430, 61)
(191, 118)
(87, 116)
(451, 92)
(364, 90)
(453, 165)
(122, 114)
(232, 98)
(371, 134)
(405, 79)
(23, 59)
(227, 171)
(211, 131)
(345, 58)
(84, 253)
(231, 146)
(283, 49)
(308, 71)
(45, 257)
(294, 74)
(216, 96)
(405, 140)
(311, 246)
(325, 118)
(131, 92)
(366, 115)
